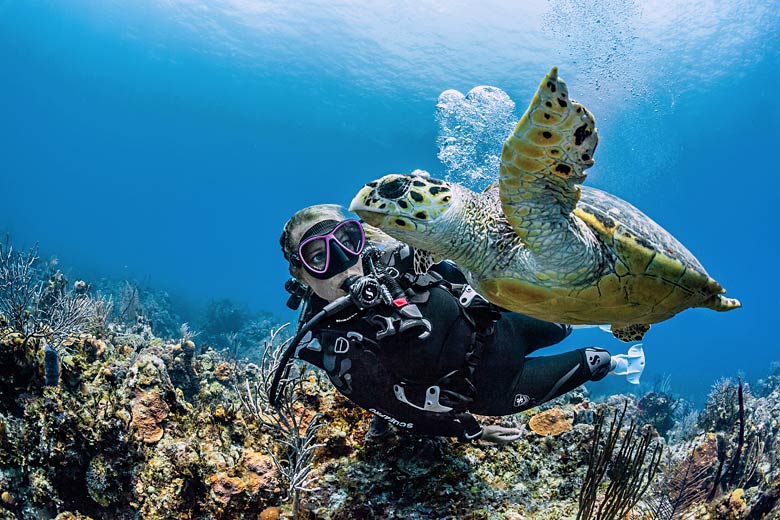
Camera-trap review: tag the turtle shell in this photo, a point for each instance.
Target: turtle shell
(652, 267)
(648, 276)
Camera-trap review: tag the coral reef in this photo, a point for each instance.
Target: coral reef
(232, 327)
(121, 436)
(117, 421)
(658, 409)
(550, 422)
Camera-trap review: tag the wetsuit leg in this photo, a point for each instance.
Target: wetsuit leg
(546, 377)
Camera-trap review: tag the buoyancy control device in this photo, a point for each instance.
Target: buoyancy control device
(378, 287)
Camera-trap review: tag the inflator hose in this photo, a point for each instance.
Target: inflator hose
(332, 308)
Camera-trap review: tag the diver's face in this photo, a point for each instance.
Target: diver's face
(314, 254)
(330, 288)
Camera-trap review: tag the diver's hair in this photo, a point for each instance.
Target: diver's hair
(307, 216)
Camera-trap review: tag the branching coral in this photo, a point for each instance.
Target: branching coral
(722, 410)
(685, 485)
(298, 463)
(29, 309)
(19, 289)
(631, 462)
(295, 427)
(742, 462)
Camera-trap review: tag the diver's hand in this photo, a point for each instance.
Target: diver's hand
(500, 435)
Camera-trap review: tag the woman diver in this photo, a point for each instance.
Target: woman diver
(422, 351)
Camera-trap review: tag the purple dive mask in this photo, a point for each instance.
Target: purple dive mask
(330, 247)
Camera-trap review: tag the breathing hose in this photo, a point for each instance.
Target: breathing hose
(362, 292)
(332, 308)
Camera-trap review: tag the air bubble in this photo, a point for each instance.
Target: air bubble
(472, 130)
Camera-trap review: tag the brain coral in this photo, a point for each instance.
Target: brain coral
(550, 422)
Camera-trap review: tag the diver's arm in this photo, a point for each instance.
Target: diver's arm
(470, 428)
(466, 428)
(463, 426)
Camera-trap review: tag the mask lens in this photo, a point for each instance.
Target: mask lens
(350, 235)
(314, 253)
(327, 249)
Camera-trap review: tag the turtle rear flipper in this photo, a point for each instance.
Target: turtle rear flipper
(721, 304)
(542, 163)
(629, 333)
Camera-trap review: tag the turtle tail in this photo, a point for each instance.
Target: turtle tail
(720, 303)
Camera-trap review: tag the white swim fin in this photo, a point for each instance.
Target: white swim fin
(630, 365)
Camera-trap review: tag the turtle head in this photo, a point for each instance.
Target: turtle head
(407, 207)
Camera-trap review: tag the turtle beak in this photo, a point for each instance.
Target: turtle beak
(359, 206)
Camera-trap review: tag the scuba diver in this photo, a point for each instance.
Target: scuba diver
(421, 351)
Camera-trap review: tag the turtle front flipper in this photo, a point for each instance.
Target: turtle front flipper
(542, 163)
(629, 333)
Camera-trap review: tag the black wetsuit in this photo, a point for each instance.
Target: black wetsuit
(370, 372)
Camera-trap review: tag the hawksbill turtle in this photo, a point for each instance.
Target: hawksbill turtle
(539, 243)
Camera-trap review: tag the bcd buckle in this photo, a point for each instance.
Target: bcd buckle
(431, 403)
(467, 296)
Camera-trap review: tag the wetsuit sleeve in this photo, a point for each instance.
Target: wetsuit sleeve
(539, 334)
(463, 426)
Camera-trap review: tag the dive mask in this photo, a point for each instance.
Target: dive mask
(330, 247)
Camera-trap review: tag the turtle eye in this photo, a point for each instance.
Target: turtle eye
(393, 189)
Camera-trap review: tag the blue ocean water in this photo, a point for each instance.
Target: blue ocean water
(170, 141)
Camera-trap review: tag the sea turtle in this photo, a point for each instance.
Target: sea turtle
(537, 242)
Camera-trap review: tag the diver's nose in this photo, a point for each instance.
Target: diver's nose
(392, 189)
